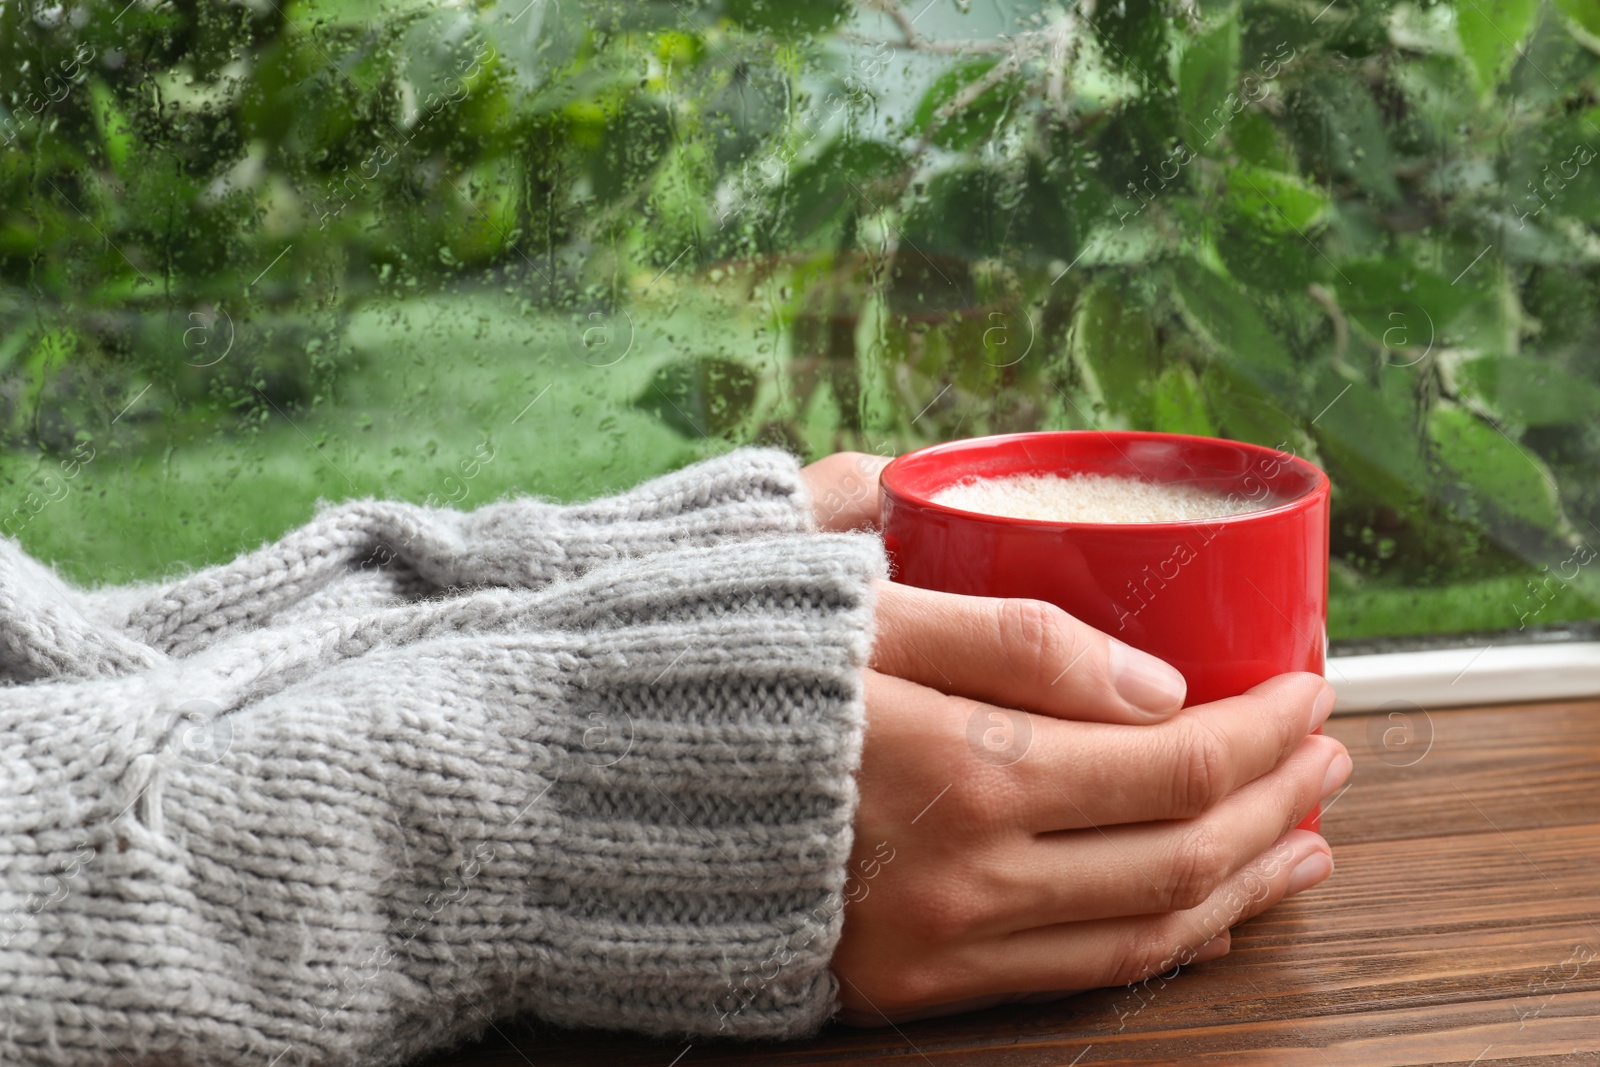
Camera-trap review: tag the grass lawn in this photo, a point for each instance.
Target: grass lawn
(1379, 610)
(433, 385)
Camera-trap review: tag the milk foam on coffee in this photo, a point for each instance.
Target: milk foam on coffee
(1099, 498)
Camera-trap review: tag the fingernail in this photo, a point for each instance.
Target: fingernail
(1144, 681)
(1338, 771)
(1323, 707)
(1311, 870)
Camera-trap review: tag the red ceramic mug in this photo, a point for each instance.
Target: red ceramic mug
(1229, 601)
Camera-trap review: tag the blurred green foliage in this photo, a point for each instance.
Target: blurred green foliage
(1364, 231)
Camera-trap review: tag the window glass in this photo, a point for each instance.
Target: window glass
(256, 254)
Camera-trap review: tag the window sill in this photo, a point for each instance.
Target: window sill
(1479, 674)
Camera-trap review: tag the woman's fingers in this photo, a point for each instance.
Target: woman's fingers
(1079, 775)
(1019, 654)
(1094, 954)
(1010, 771)
(1122, 951)
(844, 490)
(1149, 868)
(1217, 947)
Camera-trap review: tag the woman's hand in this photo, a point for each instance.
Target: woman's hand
(844, 490)
(1102, 838)
(1097, 838)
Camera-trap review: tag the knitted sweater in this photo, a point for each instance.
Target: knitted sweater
(406, 771)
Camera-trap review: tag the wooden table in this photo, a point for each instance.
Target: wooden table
(1462, 926)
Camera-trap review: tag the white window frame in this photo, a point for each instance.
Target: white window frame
(1487, 673)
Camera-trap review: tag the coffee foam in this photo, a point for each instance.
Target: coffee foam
(1097, 498)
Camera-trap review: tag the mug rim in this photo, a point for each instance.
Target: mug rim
(889, 480)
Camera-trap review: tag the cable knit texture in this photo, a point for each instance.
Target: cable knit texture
(284, 811)
(361, 553)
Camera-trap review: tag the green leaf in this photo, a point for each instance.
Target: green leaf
(1117, 340)
(1133, 37)
(1257, 140)
(1243, 412)
(1224, 314)
(1369, 442)
(944, 89)
(1177, 404)
(433, 57)
(116, 132)
(1266, 260)
(1339, 131)
(707, 396)
(1491, 31)
(964, 213)
(1500, 475)
(788, 17)
(930, 286)
(352, 14)
(843, 173)
(1382, 283)
(534, 44)
(51, 353)
(1055, 199)
(634, 143)
(1207, 73)
(1439, 97)
(1273, 200)
(742, 115)
(951, 117)
(1267, 220)
(1403, 307)
(1586, 13)
(1533, 392)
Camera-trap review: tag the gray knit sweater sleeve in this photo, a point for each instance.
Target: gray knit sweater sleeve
(623, 799)
(361, 553)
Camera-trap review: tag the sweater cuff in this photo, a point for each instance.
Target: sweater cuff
(357, 555)
(625, 801)
(717, 770)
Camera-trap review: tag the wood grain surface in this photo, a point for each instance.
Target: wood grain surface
(1462, 926)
